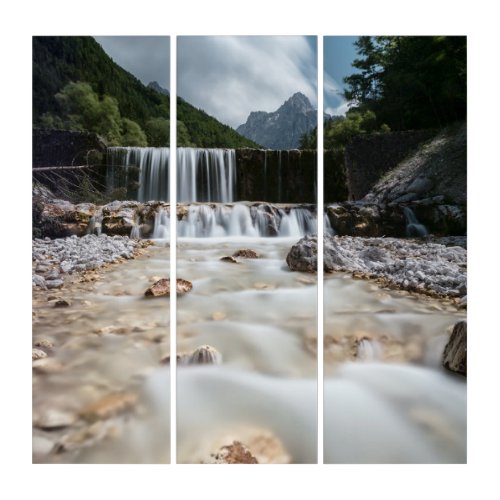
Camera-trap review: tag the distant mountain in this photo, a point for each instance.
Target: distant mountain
(156, 86)
(283, 128)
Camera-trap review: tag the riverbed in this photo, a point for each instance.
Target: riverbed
(102, 393)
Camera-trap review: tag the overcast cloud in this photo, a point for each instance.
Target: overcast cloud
(229, 77)
(335, 102)
(146, 57)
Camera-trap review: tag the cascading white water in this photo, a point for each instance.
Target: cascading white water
(243, 220)
(413, 226)
(153, 164)
(203, 174)
(161, 228)
(206, 175)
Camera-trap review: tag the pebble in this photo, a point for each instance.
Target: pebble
(62, 303)
(108, 406)
(38, 354)
(75, 254)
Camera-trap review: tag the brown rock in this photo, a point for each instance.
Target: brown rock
(108, 406)
(455, 352)
(229, 259)
(218, 316)
(45, 343)
(47, 366)
(162, 287)
(61, 303)
(235, 453)
(38, 354)
(246, 254)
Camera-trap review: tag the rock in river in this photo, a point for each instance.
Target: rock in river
(162, 287)
(455, 352)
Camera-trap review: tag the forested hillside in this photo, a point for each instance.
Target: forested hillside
(77, 86)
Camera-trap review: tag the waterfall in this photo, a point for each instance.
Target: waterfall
(413, 227)
(161, 228)
(206, 175)
(203, 174)
(151, 179)
(241, 220)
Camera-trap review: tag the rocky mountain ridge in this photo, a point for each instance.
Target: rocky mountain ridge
(283, 128)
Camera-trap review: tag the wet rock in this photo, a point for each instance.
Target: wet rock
(229, 259)
(62, 303)
(38, 354)
(303, 256)
(235, 453)
(109, 406)
(111, 329)
(39, 281)
(57, 283)
(205, 355)
(45, 343)
(53, 418)
(162, 288)
(246, 254)
(455, 351)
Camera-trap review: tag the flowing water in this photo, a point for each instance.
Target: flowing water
(386, 397)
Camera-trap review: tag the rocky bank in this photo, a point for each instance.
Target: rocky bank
(412, 265)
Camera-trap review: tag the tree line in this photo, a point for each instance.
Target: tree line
(401, 83)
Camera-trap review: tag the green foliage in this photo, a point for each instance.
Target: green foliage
(205, 131)
(58, 60)
(80, 108)
(158, 132)
(339, 131)
(132, 134)
(183, 139)
(410, 81)
(309, 140)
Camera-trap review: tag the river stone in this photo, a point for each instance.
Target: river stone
(61, 303)
(57, 283)
(303, 256)
(235, 453)
(229, 259)
(205, 355)
(246, 253)
(162, 287)
(455, 352)
(39, 281)
(38, 354)
(41, 445)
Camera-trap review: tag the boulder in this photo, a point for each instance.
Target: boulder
(455, 351)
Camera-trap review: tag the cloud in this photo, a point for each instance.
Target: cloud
(146, 57)
(335, 102)
(229, 77)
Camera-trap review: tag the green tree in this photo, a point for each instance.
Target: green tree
(410, 81)
(81, 109)
(158, 132)
(132, 134)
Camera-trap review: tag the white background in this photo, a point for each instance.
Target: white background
(22, 20)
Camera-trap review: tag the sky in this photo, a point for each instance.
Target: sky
(230, 76)
(146, 57)
(339, 52)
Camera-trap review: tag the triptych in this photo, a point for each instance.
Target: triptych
(268, 235)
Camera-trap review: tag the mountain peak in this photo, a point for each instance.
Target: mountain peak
(299, 101)
(156, 86)
(283, 128)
